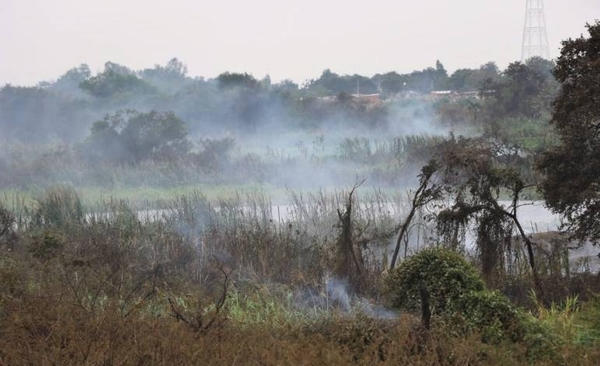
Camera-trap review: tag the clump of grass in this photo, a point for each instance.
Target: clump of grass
(560, 319)
(59, 206)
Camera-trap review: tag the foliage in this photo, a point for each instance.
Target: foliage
(115, 79)
(35, 115)
(474, 173)
(489, 313)
(170, 78)
(229, 80)
(462, 304)
(525, 90)
(69, 82)
(571, 186)
(444, 273)
(331, 83)
(472, 79)
(133, 137)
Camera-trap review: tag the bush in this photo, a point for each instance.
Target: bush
(445, 274)
(489, 313)
(463, 305)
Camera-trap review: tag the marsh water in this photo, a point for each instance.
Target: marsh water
(536, 219)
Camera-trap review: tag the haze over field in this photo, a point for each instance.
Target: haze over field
(292, 39)
(263, 182)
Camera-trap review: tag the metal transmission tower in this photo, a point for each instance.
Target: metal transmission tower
(535, 36)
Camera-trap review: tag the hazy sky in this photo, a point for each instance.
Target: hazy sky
(297, 39)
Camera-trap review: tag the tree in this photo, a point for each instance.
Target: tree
(331, 83)
(472, 79)
(115, 79)
(31, 114)
(475, 173)
(155, 135)
(571, 185)
(133, 137)
(518, 93)
(170, 78)
(229, 80)
(69, 82)
(391, 82)
(478, 172)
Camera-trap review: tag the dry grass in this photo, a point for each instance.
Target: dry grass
(48, 331)
(212, 287)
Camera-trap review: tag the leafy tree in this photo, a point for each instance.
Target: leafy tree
(244, 99)
(104, 141)
(472, 79)
(115, 79)
(228, 80)
(31, 114)
(133, 137)
(69, 82)
(331, 83)
(525, 90)
(155, 135)
(286, 90)
(391, 82)
(170, 78)
(571, 185)
(474, 173)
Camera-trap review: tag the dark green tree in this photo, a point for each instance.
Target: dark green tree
(516, 94)
(228, 80)
(115, 79)
(571, 185)
(391, 82)
(155, 135)
(132, 137)
(472, 79)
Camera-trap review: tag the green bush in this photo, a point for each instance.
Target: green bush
(444, 273)
(462, 304)
(489, 313)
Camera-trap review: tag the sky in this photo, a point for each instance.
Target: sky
(285, 39)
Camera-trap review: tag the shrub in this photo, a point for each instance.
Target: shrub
(445, 274)
(489, 313)
(463, 305)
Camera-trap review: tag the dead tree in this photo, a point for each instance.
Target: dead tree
(349, 262)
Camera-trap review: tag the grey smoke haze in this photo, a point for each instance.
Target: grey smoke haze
(293, 39)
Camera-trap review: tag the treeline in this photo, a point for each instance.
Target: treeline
(63, 110)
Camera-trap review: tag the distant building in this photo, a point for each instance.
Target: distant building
(367, 98)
